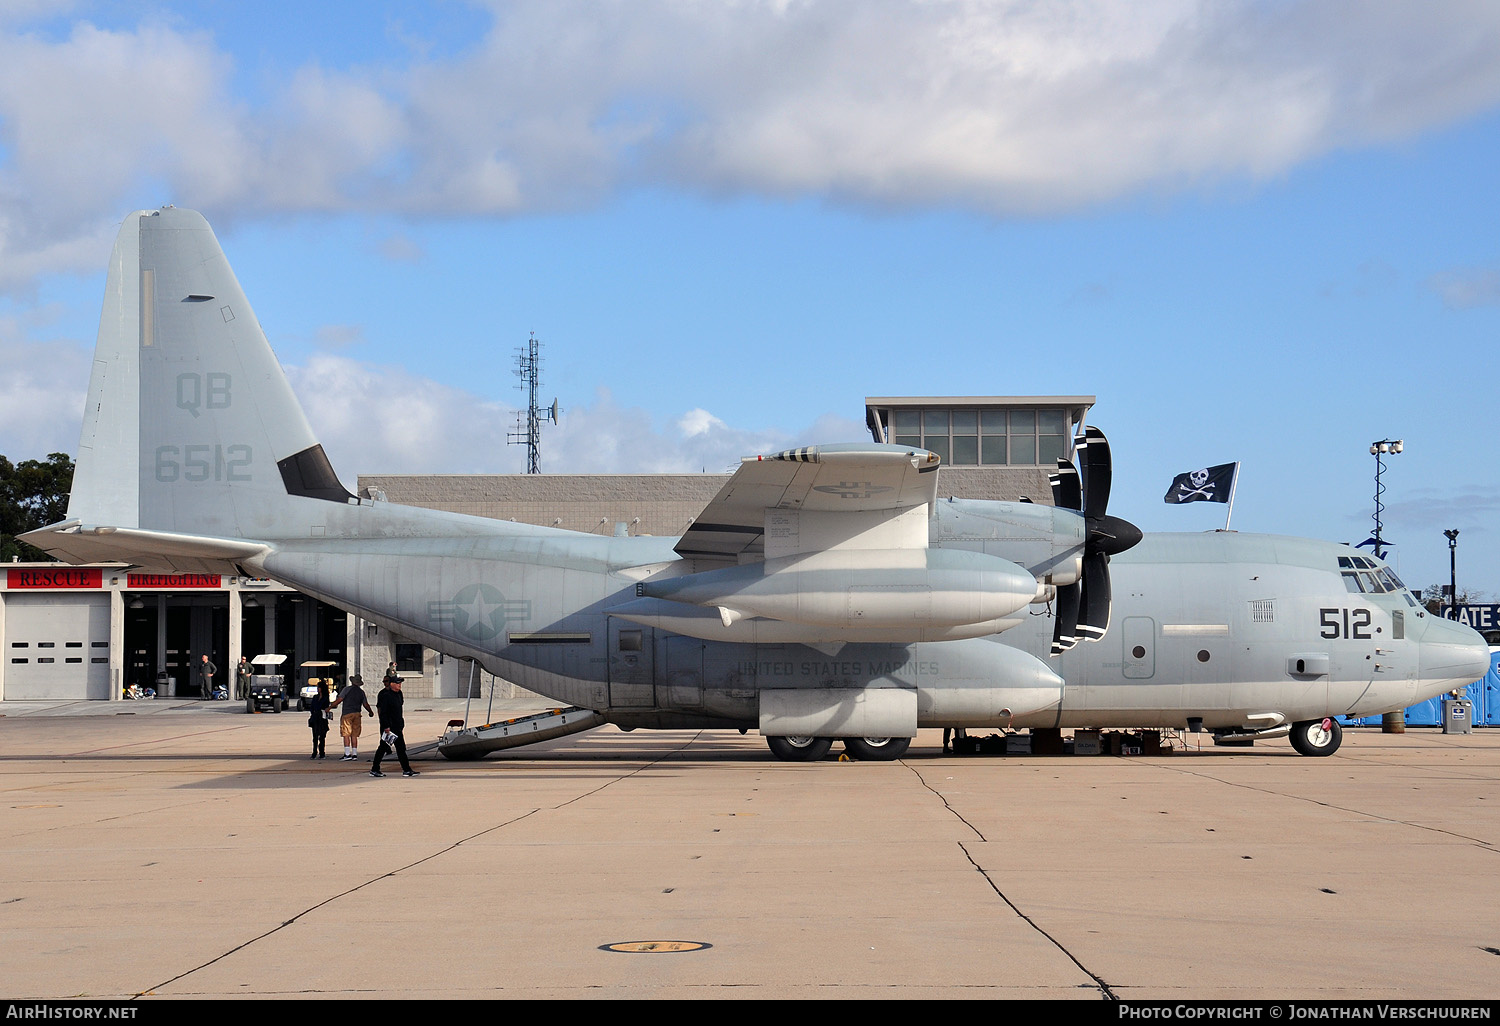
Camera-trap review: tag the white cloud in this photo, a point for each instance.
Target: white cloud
(401, 248)
(1004, 107)
(1470, 287)
(386, 420)
(41, 394)
(698, 422)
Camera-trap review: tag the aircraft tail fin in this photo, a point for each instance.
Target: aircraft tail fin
(191, 427)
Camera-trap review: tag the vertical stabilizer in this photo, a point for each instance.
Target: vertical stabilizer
(191, 426)
(106, 487)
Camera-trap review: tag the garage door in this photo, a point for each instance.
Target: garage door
(56, 646)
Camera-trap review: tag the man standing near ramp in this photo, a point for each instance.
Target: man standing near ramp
(350, 701)
(392, 725)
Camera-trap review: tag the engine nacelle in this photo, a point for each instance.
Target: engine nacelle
(860, 588)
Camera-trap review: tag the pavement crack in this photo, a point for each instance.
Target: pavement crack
(944, 799)
(402, 869)
(1105, 991)
(643, 767)
(1477, 841)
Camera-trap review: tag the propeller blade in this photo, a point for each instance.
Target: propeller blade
(1094, 461)
(1096, 597)
(1067, 493)
(1065, 621)
(1083, 608)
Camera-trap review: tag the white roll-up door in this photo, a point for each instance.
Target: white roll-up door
(56, 646)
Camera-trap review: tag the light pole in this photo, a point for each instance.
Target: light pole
(1378, 450)
(1452, 537)
(1391, 722)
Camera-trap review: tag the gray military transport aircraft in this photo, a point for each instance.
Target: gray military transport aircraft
(825, 593)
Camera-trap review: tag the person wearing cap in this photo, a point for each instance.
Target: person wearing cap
(392, 724)
(350, 700)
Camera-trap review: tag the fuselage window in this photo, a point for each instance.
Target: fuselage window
(1398, 625)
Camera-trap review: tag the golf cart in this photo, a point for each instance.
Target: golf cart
(313, 672)
(267, 687)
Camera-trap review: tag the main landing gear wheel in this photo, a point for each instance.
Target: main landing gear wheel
(876, 749)
(798, 748)
(1317, 737)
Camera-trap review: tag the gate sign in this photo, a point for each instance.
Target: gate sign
(1480, 616)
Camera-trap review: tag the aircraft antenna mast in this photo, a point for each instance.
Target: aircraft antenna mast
(529, 370)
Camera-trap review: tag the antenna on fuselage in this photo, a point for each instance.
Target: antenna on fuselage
(529, 370)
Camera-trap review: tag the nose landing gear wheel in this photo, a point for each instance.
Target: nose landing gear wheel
(797, 748)
(876, 749)
(1317, 737)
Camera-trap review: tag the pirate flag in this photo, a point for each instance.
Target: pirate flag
(1211, 484)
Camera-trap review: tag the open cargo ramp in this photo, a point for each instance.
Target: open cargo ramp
(464, 743)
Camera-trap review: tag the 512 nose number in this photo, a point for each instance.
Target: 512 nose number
(1344, 623)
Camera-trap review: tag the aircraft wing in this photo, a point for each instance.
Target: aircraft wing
(850, 490)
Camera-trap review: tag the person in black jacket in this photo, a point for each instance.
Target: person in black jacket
(317, 719)
(388, 705)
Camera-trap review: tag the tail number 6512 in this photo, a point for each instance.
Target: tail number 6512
(203, 463)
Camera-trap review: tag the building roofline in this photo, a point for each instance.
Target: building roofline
(980, 400)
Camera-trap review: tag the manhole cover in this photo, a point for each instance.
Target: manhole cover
(655, 946)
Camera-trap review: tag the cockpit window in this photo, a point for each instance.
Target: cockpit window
(1362, 575)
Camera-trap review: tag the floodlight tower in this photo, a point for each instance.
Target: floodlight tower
(529, 370)
(1391, 722)
(1379, 449)
(1452, 537)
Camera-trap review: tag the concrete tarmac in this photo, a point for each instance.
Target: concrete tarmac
(178, 849)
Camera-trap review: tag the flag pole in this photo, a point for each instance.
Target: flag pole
(1232, 486)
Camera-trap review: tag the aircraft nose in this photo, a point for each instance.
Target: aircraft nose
(1452, 654)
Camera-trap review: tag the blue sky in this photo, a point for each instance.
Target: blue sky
(1256, 231)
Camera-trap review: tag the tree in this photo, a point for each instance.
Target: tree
(1435, 596)
(33, 493)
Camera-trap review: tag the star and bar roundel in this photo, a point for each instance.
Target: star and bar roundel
(479, 612)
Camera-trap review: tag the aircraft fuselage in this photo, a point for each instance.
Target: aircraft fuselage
(1231, 630)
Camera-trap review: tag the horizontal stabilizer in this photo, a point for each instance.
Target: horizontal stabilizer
(73, 542)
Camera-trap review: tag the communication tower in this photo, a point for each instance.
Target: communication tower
(529, 370)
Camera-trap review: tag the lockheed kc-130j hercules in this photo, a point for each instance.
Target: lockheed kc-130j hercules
(825, 593)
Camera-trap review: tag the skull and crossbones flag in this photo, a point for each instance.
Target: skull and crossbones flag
(1211, 484)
